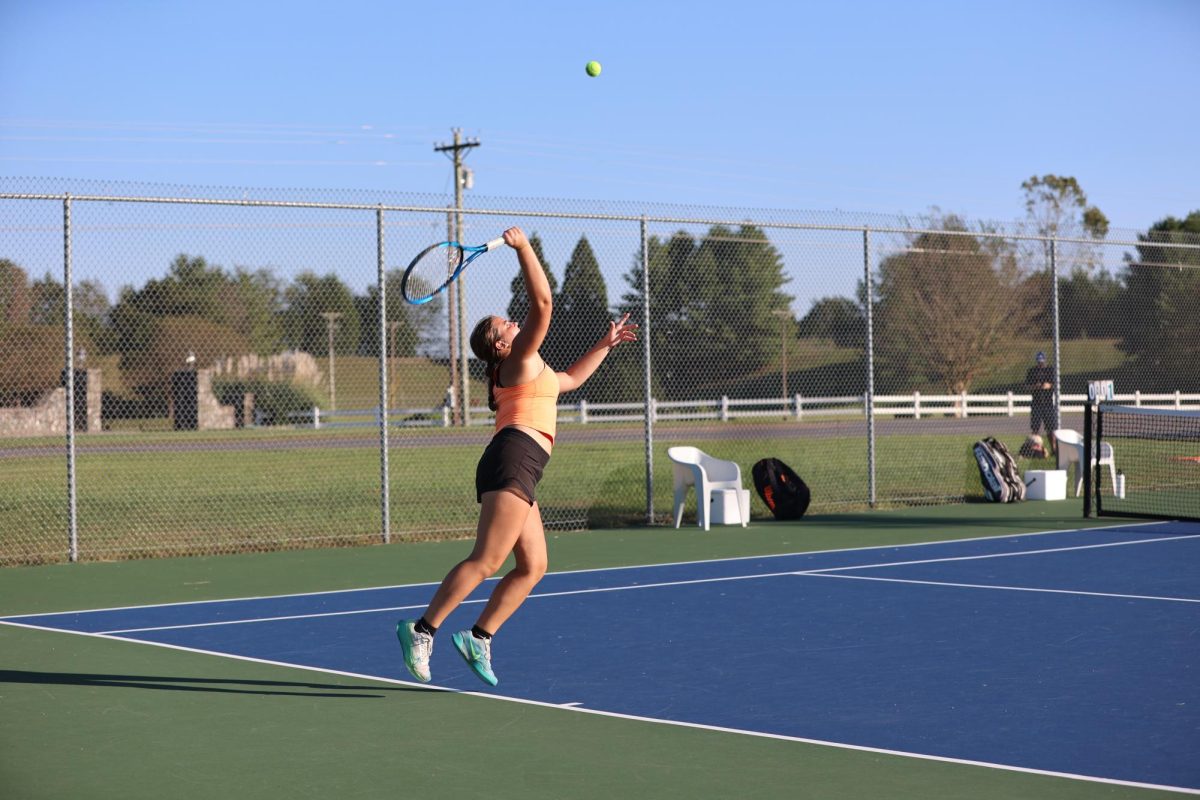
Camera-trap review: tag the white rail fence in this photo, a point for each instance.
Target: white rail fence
(725, 409)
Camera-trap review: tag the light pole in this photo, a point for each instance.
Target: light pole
(392, 325)
(331, 320)
(784, 316)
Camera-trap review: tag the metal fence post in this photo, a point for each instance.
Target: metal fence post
(384, 498)
(869, 299)
(649, 415)
(1057, 341)
(69, 375)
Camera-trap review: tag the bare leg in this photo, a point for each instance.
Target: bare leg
(512, 590)
(501, 523)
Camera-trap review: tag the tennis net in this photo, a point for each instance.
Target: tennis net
(1146, 462)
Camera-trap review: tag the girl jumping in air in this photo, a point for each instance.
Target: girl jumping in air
(523, 391)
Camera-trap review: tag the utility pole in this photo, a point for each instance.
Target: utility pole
(452, 333)
(391, 400)
(462, 176)
(331, 320)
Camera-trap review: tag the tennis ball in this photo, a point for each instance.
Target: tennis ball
(593, 68)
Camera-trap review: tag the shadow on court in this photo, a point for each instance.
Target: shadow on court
(178, 684)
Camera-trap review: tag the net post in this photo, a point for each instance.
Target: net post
(1088, 420)
(1096, 452)
(870, 376)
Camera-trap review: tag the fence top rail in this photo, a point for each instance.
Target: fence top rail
(674, 220)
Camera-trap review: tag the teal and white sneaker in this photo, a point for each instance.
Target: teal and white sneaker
(477, 653)
(417, 647)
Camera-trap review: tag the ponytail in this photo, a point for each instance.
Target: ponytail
(492, 370)
(483, 345)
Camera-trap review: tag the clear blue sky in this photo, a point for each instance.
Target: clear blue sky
(859, 106)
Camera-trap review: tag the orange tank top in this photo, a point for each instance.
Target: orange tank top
(533, 404)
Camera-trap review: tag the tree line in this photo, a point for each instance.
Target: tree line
(948, 305)
(952, 303)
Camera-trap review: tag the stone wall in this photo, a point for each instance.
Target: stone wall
(194, 406)
(211, 415)
(49, 416)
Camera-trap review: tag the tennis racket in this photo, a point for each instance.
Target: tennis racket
(437, 266)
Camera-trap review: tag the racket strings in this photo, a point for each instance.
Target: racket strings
(432, 270)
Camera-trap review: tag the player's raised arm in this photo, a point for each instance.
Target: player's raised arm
(541, 299)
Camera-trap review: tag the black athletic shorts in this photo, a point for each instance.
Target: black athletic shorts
(512, 460)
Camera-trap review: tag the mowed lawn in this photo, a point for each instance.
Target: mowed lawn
(235, 491)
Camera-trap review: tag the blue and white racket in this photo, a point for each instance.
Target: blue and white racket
(437, 266)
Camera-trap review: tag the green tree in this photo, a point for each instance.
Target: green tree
(1087, 304)
(307, 299)
(949, 309)
(412, 330)
(15, 299)
(91, 307)
(31, 362)
(1057, 206)
(1159, 306)
(839, 319)
(711, 308)
(252, 302)
(190, 288)
(248, 302)
(581, 311)
(31, 332)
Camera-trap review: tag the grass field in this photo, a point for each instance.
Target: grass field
(236, 491)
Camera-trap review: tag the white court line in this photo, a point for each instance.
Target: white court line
(565, 593)
(264, 619)
(998, 587)
(1117, 526)
(821, 573)
(947, 559)
(635, 718)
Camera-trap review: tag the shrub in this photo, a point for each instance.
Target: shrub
(273, 400)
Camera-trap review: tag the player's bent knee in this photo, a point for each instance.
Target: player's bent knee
(537, 570)
(483, 567)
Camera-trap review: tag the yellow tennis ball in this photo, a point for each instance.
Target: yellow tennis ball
(593, 68)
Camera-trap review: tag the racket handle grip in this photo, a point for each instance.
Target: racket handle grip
(494, 243)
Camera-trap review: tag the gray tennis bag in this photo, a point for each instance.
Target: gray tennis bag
(998, 471)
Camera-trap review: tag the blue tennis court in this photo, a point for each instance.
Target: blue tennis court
(1067, 652)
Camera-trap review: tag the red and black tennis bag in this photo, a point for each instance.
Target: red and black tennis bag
(781, 488)
(998, 471)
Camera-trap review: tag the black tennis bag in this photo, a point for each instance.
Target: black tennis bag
(998, 471)
(781, 488)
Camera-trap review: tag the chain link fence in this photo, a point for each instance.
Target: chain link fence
(240, 372)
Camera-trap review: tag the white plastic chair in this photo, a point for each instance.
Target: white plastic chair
(1070, 451)
(694, 467)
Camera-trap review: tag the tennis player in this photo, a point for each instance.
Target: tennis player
(523, 391)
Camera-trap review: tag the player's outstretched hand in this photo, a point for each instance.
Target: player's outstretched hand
(623, 331)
